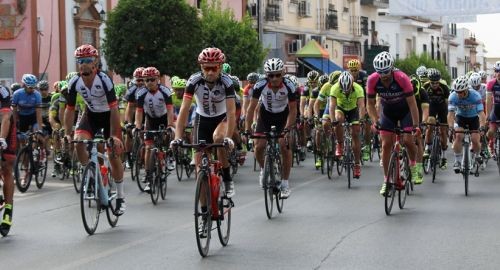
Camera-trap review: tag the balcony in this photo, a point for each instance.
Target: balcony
(376, 3)
(273, 13)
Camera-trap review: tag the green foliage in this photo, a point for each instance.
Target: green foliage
(238, 40)
(165, 34)
(410, 64)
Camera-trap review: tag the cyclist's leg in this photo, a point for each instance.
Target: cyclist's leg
(9, 156)
(353, 118)
(457, 143)
(339, 132)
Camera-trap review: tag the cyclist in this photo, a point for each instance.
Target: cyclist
(120, 90)
(278, 109)
(320, 111)
(347, 104)
(8, 143)
(398, 104)
(101, 112)
(216, 110)
(466, 110)
(26, 103)
(43, 88)
(252, 78)
(136, 86)
(14, 87)
(493, 106)
(156, 105)
(484, 76)
(438, 109)
(55, 123)
(422, 74)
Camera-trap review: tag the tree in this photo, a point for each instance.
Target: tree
(238, 40)
(410, 64)
(165, 34)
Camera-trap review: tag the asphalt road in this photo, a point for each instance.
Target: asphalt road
(324, 225)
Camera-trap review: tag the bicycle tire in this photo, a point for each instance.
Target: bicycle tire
(76, 167)
(392, 175)
(91, 203)
(154, 180)
(277, 176)
(111, 209)
(224, 219)
(139, 167)
(179, 166)
(436, 156)
(347, 162)
(203, 244)
(163, 185)
(41, 171)
(465, 166)
(497, 147)
(268, 189)
(405, 191)
(136, 143)
(21, 157)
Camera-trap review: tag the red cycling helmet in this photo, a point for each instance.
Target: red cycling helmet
(211, 56)
(138, 72)
(86, 50)
(150, 72)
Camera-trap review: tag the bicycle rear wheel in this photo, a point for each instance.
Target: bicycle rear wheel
(202, 220)
(140, 172)
(224, 221)
(23, 169)
(111, 209)
(41, 171)
(89, 201)
(268, 188)
(392, 178)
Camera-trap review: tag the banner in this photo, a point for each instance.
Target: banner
(459, 19)
(443, 7)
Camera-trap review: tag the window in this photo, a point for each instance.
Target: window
(432, 47)
(424, 48)
(364, 25)
(198, 3)
(7, 67)
(332, 21)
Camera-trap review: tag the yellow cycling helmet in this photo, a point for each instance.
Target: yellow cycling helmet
(334, 77)
(354, 64)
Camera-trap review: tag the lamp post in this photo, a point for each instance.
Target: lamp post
(102, 14)
(76, 8)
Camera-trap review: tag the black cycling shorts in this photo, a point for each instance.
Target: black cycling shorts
(204, 127)
(91, 123)
(268, 119)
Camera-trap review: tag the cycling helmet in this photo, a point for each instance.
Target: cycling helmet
(497, 66)
(461, 84)
(474, 79)
(483, 74)
(334, 76)
(150, 72)
(29, 80)
(226, 68)
(120, 89)
(173, 79)
(179, 83)
(345, 81)
(63, 85)
(312, 76)
(433, 74)
(43, 84)
(323, 79)
(273, 65)
(138, 72)
(294, 80)
(71, 75)
(14, 87)
(252, 77)
(421, 71)
(211, 56)
(354, 64)
(383, 62)
(86, 50)
(468, 74)
(236, 82)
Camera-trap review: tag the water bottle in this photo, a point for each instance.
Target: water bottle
(103, 190)
(215, 189)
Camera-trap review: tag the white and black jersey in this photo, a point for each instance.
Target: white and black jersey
(100, 97)
(155, 104)
(210, 102)
(274, 102)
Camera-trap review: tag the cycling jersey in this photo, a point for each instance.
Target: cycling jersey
(211, 102)
(132, 93)
(493, 87)
(80, 103)
(46, 106)
(468, 106)
(155, 104)
(25, 102)
(392, 98)
(437, 96)
(349, 102)
(177, 102)
(275, 102)
(5, 102)
(99, 98)
(54, 106)
(246, 90)
(324, 92)
(361, 79)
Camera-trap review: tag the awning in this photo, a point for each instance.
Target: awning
(323, 65)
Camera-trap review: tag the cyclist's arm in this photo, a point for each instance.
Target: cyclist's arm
(5, 112)
(361, 107)
(425, 112)
(250, 113)
(39, 117)
(183, 115)
(139, 114)
(302, 105)
(489, 102)
(451, 113)
(115, 127)
(311, 107)
(292, 114)
(372, 111)
(52, 120)
(170, 111)
(129, 112)
(412, 103)
(317, 112)
(231, 116)
(333, 106)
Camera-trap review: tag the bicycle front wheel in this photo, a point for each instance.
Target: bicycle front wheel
(41, 171)
(406, 177)
(111, 209)
(154, 180)
(23, 169)
(179, 166)
(224, 221)
(276, 178)
(89, 201)
(268, 188)
(392, 179)
(139, 169)
(466, 168)
(202, 219)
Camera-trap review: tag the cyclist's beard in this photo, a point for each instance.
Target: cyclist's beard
(88, 71)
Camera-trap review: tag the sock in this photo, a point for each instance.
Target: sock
(413, 163)
(385, 178)
(458, 157)
(119, 190)
(203, 209)
(419, 165)
(226, 174)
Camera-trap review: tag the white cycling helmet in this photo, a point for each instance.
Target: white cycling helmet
(345, 81)
(483, 74)
(383, 62)
(273, 65)
(475, 79)
(421, 71)
(461, 84)
(497, 66)
(294, 80)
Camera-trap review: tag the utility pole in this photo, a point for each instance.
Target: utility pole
(260, 20)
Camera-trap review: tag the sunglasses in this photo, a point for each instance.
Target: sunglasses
(383, 73)
(497, 70)
(434, 83)
(139, 80)
(274, 75)
(210, 68)
(461, 93)
(151, 80)
(353, 70)
(86, 60)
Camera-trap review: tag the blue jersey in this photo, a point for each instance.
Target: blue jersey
(26, 103)
(469, 106)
